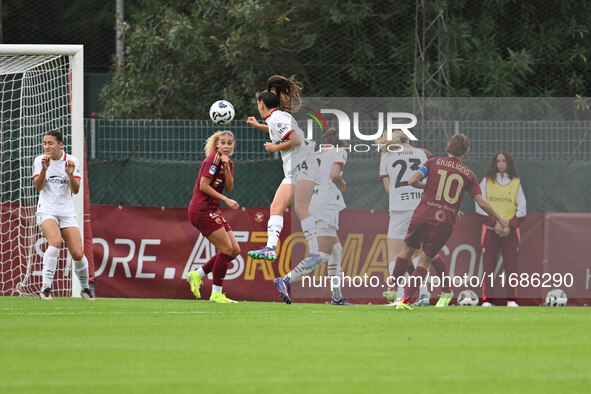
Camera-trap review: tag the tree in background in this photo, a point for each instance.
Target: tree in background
(183, 55)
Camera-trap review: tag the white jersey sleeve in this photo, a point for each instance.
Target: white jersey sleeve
(76, 173)
(399, 167)
(281, 126)
(37, 166)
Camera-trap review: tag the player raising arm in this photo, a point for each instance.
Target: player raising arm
(434, 219)
(300, 168)
(325, 206)
(56, 175)
(215, 175)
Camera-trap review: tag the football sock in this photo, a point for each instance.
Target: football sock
(81, 268)
(439, 266)
(334, 270)
(274, 227)
(208, 267)
(298, 271)
(400, 268)
(49, 265)
(391, 265)
(309, 228)
(220, 267)
(412, 288)
(216, 289)
(201, 272)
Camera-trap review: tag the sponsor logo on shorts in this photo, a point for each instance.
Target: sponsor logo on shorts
(218, 220)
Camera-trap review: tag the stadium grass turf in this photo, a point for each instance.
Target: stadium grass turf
(172, 346)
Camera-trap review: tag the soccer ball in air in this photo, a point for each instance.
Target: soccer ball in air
(556, 297)
(221, 112)
(467, 298)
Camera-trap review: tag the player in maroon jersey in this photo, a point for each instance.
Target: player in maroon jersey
(434, 219)
(215, 175)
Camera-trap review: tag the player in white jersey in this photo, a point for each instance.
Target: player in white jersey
(299, 163)
(398, 162)
(325, 206)
(56, 175)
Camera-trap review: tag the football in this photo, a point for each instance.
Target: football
(424, 299)
(221, 112)
(556, 297)
(467, 298)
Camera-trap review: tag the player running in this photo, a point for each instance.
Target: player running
(434, 219)
(56, 175)
(398, 162)
(325, 206)
(300, 168)
(215, 175)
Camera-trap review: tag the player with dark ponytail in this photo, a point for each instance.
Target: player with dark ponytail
(276, 105)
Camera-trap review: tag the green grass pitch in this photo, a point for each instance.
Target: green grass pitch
(172, 346)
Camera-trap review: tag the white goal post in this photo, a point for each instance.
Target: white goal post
(41, 88)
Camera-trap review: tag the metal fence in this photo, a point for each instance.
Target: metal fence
(183, 140)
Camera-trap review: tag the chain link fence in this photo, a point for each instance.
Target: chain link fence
(155, 163)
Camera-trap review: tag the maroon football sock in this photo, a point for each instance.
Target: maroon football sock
(220, 267)
(411, 290)
(440, 270)
(400, 268)
(208, 267)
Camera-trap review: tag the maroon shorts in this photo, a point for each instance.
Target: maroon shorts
(208, 221)
(428, 236)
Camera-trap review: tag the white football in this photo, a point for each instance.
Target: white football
(424, 299)
(467, 298)
(221, 112)
(556, 297)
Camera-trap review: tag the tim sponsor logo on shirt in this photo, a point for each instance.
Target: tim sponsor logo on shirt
(402, 121)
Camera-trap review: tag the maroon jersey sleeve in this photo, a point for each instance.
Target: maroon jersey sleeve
(210, 168)
(210, 165)
(473, 185)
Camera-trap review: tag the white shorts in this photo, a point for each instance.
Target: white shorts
(307, 169)
(62, 221)
(326, 218)
(398, 226)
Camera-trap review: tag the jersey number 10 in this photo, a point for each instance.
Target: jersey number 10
(444, 187)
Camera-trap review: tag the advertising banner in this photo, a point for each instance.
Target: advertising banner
(146, 253)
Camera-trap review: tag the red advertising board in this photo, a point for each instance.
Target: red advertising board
(146, 252)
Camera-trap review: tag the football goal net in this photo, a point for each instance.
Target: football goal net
(41, 89)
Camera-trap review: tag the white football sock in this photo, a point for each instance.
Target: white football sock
(216, 289)
(298, 272)
(200, 272)
(391, 265)
(81, 268)
(334, 269)
(49, 265)
(309, 228)
(274, 227)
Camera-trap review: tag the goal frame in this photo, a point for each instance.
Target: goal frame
(76, 57)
